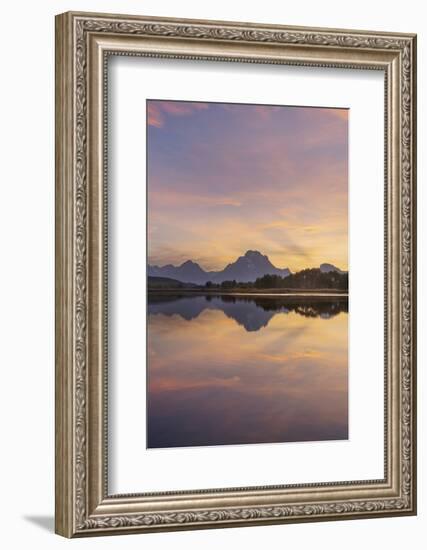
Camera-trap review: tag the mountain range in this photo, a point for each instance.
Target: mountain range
(246, 268)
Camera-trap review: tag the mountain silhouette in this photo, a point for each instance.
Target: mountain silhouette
(246, 268)
(188, 272)
(250, 312)
(327, 268)
(249, 267)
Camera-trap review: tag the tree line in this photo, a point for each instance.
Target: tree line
(309, 279)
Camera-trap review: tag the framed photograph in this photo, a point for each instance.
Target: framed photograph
(235, 274)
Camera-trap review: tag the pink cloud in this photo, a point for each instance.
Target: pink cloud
(327, 113)
(181, 107)
(154, 116)
(158, 110)
(265, 111)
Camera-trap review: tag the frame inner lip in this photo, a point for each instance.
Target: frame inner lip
(242, 491)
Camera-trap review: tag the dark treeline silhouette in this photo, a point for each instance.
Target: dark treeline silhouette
(253, 312)
(308, 279)
(306, 306)
(166, 282)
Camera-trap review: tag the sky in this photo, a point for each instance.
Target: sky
(226, 178)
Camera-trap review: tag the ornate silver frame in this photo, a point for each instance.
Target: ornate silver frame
(83, 42)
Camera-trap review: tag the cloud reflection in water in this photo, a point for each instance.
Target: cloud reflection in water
(233, 370)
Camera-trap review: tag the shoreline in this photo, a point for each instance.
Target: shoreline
(280, 292)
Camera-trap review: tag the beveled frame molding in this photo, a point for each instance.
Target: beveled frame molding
(83, 43)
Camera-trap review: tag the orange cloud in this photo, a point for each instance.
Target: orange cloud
(341, 113)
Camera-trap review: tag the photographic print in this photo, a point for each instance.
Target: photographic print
(247, 273)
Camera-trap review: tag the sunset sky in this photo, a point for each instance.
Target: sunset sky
(226, 178)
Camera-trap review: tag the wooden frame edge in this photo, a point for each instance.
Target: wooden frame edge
(64, 238)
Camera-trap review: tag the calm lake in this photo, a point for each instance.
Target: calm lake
(225, 369)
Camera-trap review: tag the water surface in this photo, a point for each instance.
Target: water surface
(225, 369)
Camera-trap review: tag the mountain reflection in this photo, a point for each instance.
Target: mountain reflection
(216, 378)
(251, 312)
